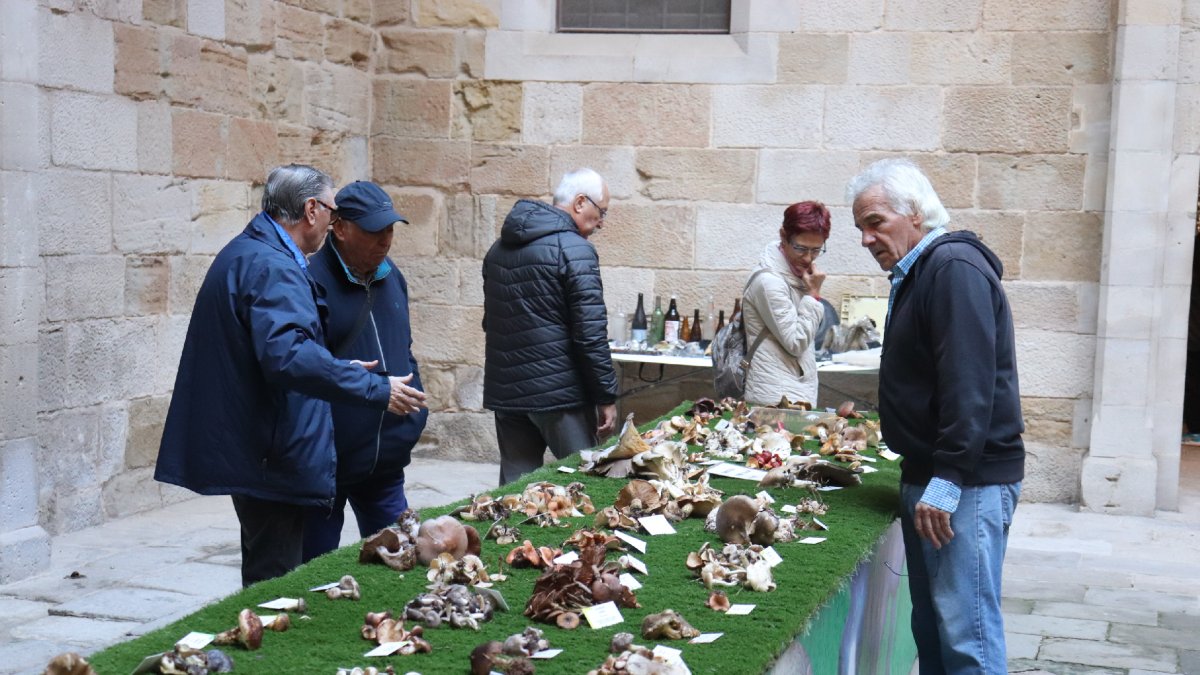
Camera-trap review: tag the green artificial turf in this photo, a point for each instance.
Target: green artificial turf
(329, 638)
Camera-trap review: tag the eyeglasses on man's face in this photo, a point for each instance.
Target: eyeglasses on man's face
(813, 253)
(603, 212)
(333, 214)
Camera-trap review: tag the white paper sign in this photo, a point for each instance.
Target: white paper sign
(771, 556)
(564, 469)
(735, 471)
(867, 458)
(740, 609)
(812, 540)
(566, 558)
(722, 425)
(788, 508)
(868, 469)
(829, 488)
(322, 587)
(668, 654)
(196, 640)
(766, 498)
(636, 564)
(629, 581)
(631, 540)
(282, 604)
(656, 524)
(821, 525)
(888, 454)
(704, 638)
(603, 615)
(387, 648)
(546, 654)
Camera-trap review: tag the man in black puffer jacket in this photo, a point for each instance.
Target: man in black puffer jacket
(549, 376)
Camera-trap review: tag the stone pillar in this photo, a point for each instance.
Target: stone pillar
(1133, 463)
(24, 545)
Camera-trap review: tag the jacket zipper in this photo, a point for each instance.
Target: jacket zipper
(383, 362)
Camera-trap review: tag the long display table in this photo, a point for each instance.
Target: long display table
(840, 605)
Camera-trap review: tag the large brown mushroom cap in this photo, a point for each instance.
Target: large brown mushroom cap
(251, 629)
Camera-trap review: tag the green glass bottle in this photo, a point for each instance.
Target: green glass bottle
(656, 322)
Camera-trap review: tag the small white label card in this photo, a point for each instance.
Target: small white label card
(656, 524)
(196, 640)
(603, 615)
(704, 638)
(629, 581)
(566, 558)
(566, 469)
(820, 524)
(735, 471)
(495, 597)
(268, 620)
(766, 498)
(722, 425)
(668, 654)
(829, 488)
(868, 458)
(546, 654)
(631, 540)
(740, 609)
(575, 513)
(788, 508)
(675, 490)
(868, 469)
(387, 648)
(771, 556)
(149, 664)
(322, 588)
(282, 604)
(636, 564)
(888, 454)
(812, 540)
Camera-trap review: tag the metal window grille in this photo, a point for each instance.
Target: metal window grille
(643, 16)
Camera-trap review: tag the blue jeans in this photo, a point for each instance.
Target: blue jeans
(956, 619)
(376, 503)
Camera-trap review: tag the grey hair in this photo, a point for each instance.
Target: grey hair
(579, 182)
(288, 187)
(906, 188)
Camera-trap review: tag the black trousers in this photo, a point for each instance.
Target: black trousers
(272, 537)
(524, 437)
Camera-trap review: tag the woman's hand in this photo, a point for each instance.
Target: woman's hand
(813, 279)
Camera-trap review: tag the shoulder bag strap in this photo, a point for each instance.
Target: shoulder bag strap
(762, 335)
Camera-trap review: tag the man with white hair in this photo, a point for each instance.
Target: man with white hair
(949, 403)
(548, 376)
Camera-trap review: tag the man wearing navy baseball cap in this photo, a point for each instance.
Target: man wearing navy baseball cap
(368, 321)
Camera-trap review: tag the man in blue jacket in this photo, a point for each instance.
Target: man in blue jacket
(249, 416)
(368, 321)
(548, 374)
(949, 402)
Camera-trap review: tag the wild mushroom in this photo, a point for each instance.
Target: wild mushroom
(248, 633)
(347, 588)
(667, 625)
(442, 534)
(735, 519)
(280, 623)
(718, 600)
(69, 663)
(219, 661)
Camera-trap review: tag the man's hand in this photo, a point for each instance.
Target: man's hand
(607, 421)
(405, 399)
(814, 279)
(365, 364)
(933, 524)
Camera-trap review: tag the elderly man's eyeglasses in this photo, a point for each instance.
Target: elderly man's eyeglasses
(812, 253)
(603, 212)
(333, 214)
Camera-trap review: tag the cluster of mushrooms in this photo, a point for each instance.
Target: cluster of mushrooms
(627, 658)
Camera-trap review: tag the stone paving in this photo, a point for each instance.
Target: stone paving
(1085, 594)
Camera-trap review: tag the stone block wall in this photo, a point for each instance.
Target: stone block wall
(136, 134)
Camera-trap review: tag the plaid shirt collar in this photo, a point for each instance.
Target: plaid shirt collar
(900, 270)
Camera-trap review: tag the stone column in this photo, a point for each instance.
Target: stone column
(24, 545)
(1133, 462)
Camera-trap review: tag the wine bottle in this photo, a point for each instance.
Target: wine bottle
(685, 328)
(696, 333)
(656, 321)
(720, 324)
(710, 321)
(671, 323)
(737, 308)
(638, 333)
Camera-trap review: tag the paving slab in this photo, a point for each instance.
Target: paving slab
(1016, 555)
(1152, 635)
(1108, 654)
(1075, 610)
(203, 581)
(130, 604)
(1021, 646)
(1055, 626)
(1189, 662)
(1160, 602)
(1044, 590)
(31, 656)
(1083, 575)
(1180, 621)
(1031, 667)
(75, 630)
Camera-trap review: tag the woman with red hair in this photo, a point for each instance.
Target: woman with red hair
(781, 303)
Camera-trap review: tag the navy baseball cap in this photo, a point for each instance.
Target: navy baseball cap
(367, 205)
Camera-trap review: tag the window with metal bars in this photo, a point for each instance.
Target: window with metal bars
(643, 16)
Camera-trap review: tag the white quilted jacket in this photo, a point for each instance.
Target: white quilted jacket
(777, 301)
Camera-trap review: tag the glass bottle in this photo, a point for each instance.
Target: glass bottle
(696, 333)
(710, 320)
(685, 329)
(720, 324)
(638, 331)
(656, 321)
(671, 323)
(737, 309)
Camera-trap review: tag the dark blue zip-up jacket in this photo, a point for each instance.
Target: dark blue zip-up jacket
(949, 399)
(369, 442)
(247, 415)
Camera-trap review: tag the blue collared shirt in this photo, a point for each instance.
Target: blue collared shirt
(940, 493)
(380, 272)
(287, 241)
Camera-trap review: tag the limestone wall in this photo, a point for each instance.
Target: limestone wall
(136, 133)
